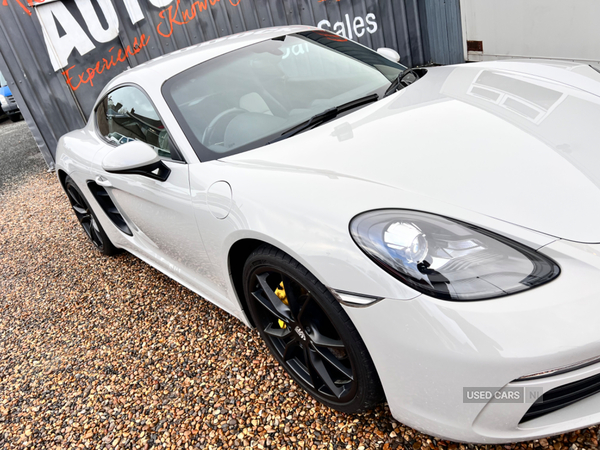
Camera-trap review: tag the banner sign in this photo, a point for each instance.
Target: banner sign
(83, 42)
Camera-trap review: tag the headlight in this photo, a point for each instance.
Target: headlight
(3, 100)
(448, 259)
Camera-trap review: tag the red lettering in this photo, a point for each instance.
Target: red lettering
(68, 78)
(189, 15)
(98, 71)
(172, 19)
(23, 6)
(87, 77)
(91, 72)
(27, 10)
(176, 16)
(81, 78)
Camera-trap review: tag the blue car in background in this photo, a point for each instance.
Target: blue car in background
(7, 101)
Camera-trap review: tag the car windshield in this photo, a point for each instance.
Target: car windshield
(249, 97)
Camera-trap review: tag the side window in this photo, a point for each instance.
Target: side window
(126, 115)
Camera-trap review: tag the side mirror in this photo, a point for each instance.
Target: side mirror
(136, 158)
(389, 53)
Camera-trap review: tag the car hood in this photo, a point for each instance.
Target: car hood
(516, 141)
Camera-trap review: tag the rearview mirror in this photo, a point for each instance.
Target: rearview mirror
(389, 53)
(136, 158)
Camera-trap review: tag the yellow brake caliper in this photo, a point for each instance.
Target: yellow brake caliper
(280, 292)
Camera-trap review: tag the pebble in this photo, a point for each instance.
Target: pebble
(107, 353)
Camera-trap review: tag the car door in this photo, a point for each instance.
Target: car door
(158, 213)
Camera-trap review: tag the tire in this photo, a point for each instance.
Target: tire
(309, 333)
(15, 117)
(87, 219)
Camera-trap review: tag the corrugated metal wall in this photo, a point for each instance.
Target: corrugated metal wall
(45, 100)
(397, 23)
(58, 55)
(443, 37)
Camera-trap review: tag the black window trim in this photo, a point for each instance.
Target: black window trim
(143, 91)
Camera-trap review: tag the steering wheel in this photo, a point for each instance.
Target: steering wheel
(214, 133)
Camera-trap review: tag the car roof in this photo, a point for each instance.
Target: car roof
(166, 66)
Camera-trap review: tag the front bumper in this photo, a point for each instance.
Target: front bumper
(427, 351)
(11, 107)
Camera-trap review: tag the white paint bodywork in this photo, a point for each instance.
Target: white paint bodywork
(129, 156)
(509, 147)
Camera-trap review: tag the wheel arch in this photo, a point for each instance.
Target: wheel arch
(237, 256)
(244, 243)
(236, 259)
(62, 176)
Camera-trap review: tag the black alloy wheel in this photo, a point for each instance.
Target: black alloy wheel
(87, 219)
(309, 333)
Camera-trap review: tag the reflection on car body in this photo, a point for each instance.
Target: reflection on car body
(407, 233)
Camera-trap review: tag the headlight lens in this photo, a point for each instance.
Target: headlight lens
(3, 100)
(449, 259)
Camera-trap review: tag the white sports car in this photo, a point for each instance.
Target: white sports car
(424, 235)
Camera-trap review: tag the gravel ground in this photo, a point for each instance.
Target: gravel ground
(99, 352)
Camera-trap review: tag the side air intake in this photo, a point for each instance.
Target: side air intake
(109, 207)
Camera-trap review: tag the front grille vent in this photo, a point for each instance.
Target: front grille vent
(562, 396)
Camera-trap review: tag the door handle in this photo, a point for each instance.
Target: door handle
(100, 180)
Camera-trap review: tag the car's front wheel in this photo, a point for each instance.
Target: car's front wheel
(87, 219)
(309, 333)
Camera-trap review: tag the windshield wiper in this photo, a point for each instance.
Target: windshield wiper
(326, 116)
(398, 81)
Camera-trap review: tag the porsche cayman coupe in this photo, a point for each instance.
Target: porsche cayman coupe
(428, 236)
